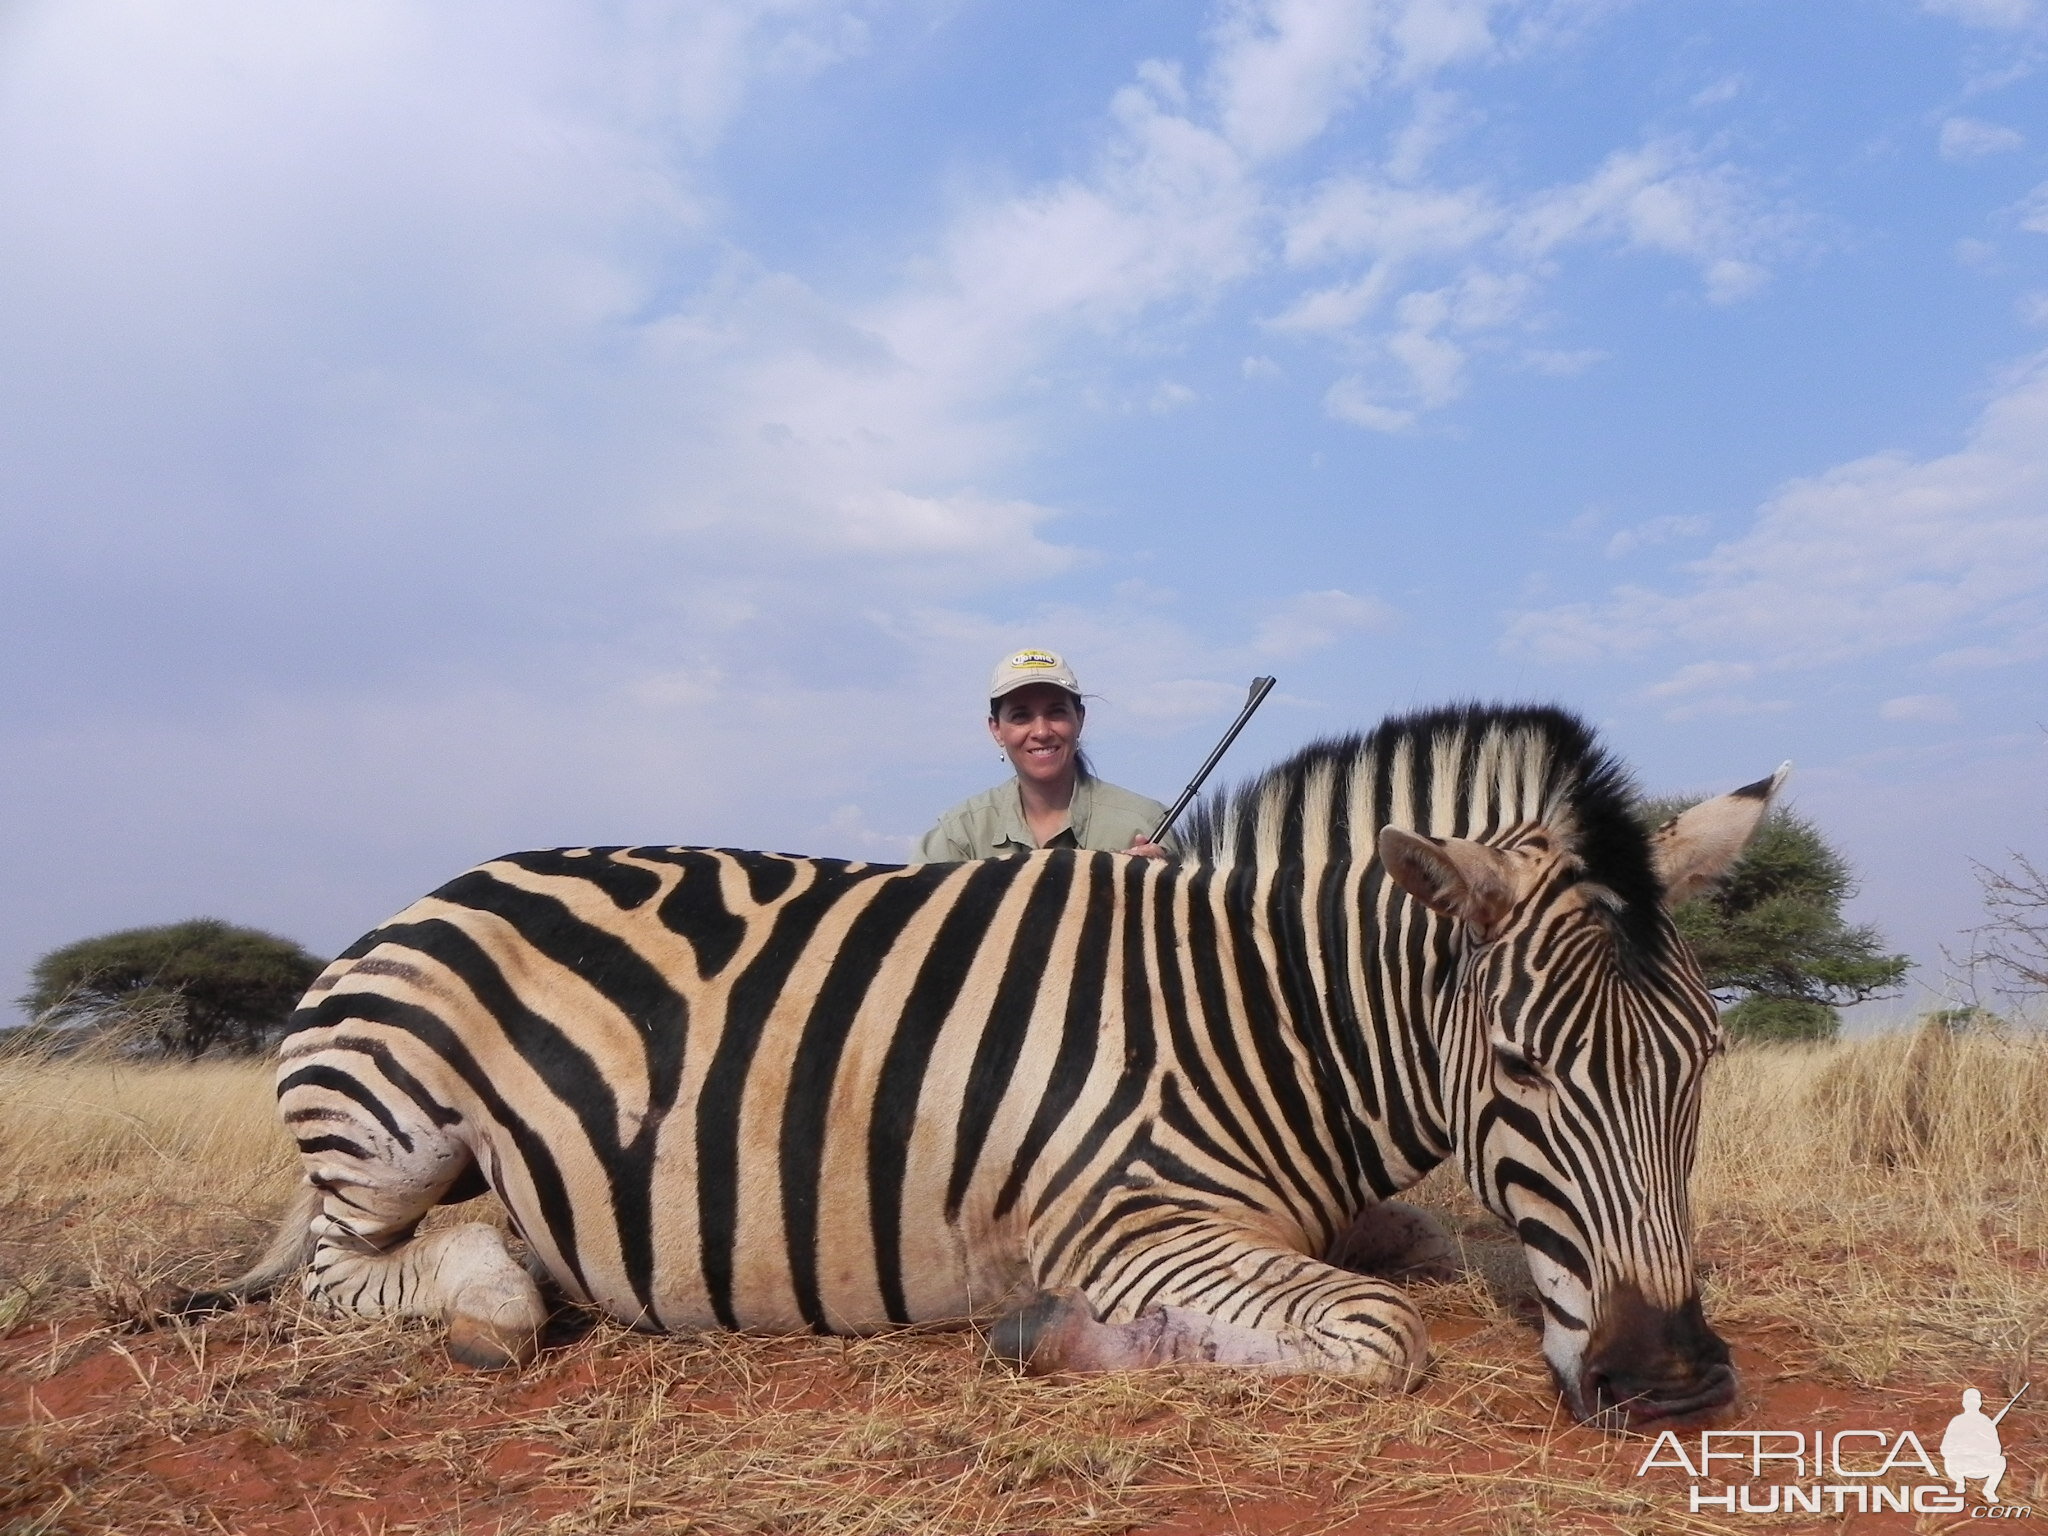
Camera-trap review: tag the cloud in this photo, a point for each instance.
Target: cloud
(1933, 707)
(418, 437)
(2033, 210)
(1662, 196)
(1563, 362)
(1648, 535)
(1350, 399)
(1880, 554)
(1710, 689)
(1701, 677)
(1284, 68)
(1966, 138)
(1310, 621)
(1998, 15)
(1490, 255)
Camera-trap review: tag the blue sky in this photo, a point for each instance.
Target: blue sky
(432, 431)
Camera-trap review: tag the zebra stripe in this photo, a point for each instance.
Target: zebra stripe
(1134, 1101)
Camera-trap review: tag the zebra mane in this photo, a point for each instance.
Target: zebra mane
(1467, 770)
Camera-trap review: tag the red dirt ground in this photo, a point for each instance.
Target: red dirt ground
(398, 1441)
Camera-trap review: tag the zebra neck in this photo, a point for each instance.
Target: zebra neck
(1342, 1006)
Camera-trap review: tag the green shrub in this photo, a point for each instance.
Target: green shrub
(185, 987)
(1781, 1018)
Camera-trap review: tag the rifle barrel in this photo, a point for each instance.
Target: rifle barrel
(1261, 686)
(2015, 1398)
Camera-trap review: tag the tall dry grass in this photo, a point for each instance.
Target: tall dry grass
(1886, 1197)
(119, 1175)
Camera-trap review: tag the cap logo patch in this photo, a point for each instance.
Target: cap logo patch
(1034, 659)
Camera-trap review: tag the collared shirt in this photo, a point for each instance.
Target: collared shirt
(991, 824)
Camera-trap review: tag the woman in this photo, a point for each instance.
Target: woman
(1035, 715)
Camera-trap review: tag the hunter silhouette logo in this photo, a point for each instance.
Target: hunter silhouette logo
(1970, 1447)
(1846, 1471)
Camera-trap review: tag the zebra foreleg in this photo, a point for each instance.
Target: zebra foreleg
(1329, 1322)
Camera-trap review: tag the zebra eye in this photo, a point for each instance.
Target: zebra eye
(1517, 1067)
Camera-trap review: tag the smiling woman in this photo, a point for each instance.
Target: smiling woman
(1035, 715)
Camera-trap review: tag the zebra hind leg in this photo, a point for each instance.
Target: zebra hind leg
(368, 1262)
(463, 1276)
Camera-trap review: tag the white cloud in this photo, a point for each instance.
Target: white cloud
(2033, 210)
(1701, 677)
(1350, 399)
(1284, 68)
(1309, 621)
(1660, 197)
(1729, 281)
(1647, 535)
(1880, 554)
(1563, 362)
(1932, 707)
(1490, 256)
(1352, 216)
(2000, 15)
(1710, 689)
(1967, 138)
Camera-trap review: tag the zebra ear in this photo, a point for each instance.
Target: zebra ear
(1697, 847)
(1460, 879)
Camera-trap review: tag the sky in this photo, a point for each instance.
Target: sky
(433, 431)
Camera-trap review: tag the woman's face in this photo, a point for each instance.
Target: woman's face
(1037, 726)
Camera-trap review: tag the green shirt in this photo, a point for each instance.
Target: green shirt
(992, 823)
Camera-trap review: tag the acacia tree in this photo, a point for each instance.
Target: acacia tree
(1771, 940)
(191, 986)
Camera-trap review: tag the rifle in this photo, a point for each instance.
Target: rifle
(1261, 686)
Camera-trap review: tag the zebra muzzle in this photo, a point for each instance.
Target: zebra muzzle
(1650, 1365)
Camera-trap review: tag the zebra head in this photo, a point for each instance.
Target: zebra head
(1574, 1043)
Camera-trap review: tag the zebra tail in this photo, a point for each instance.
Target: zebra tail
(288, 1253)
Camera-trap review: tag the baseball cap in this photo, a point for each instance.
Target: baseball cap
(1019, 669)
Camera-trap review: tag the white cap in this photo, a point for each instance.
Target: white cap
(1022, 668)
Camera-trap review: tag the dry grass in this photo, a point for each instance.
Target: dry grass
(1874, 1210)
(1887, 1197)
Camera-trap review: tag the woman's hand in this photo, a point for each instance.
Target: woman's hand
(1146, 849)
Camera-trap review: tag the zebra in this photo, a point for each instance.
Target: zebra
(1123, 1108)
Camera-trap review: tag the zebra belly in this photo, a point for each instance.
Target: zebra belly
(765, 1263)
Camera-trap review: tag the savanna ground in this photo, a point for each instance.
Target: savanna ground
(1873, 1231)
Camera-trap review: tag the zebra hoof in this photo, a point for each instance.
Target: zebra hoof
(489, 1330)
(1048, 1333)
(481, 1347)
